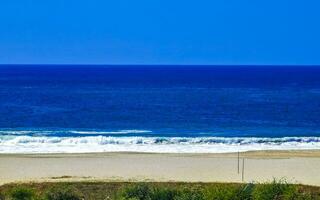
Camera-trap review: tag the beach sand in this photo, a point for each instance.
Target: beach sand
(295, 166)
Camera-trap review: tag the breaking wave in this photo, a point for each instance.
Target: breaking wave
(86, 144)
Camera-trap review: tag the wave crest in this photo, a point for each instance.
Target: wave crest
(43, 144)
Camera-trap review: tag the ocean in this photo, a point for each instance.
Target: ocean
(163, 109)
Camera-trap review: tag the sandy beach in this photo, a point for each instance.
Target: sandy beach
(295, 166)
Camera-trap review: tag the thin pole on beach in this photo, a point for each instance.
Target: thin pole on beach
(238, 162)
(242, 176)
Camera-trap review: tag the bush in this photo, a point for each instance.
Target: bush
(139, 192)
(160, 193)
(2, 196)
(272, 191)
(145, 192)
(245, 192)
(224, 192)
(292, 193)
(22, 193)
(63, 194)
(193, 193)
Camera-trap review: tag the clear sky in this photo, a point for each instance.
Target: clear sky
(160, 32)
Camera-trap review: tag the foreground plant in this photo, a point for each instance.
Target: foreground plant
(22, 193)
(276, 190)
(61, 193)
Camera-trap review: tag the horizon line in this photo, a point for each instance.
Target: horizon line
(204, 65)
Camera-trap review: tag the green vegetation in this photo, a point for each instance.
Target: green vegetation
(66, 193)
(2, 196)
(276, 190)
(22, 193)
(279, 190)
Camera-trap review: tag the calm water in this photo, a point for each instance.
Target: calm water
(158, 108)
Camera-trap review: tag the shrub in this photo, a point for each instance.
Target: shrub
(2, 196)
(292, 193)
(160, 193)
(63, 194)
(246, 192)
(138, 191)
(272, 191)
(22, 193)
(225, 192)
(193, 193)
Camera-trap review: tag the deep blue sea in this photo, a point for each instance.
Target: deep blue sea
(56, 108)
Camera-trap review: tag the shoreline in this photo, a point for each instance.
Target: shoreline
(298, 166)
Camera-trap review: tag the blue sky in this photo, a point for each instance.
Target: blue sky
(160, 32)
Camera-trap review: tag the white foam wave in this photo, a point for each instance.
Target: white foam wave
(31, 144)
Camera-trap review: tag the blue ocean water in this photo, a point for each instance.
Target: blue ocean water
(54, 108)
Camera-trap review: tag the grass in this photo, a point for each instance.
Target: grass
(276, 190)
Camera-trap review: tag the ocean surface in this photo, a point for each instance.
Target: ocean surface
(197, 109)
